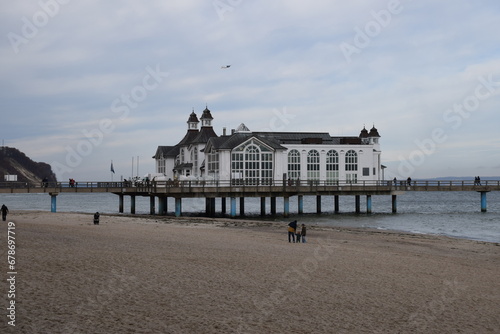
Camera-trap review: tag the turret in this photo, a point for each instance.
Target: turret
(206, 118)
(193, 122)
(373, 136)
(364, 136)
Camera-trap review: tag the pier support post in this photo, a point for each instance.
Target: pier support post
(318, 204)
(300, 199)
(242, 206)
(286, 206)
(358, 206)
(132, 204)
(120, 203)
(233, 207)
(273, 205)
(223, 205)
(178, 206)
(262, 206)
(162, 205)
(211, 206)
(152, 201)
(336, 203)
(394, 203)
(483, 201)
(53, 202)
(368, 203)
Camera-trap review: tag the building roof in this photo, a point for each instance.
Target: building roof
(298, 137)
(364, 133)
(206, 114)
(166, 151)
(237, 138)
(193, 118)
(206, 132)
(189, 137)
(373, 132)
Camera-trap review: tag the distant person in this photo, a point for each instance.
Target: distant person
(292, 226)
(408, 181)
(5, 211)
(45, 182)
(395, 181)
(303, 233)
(479, 181)
(96, 218)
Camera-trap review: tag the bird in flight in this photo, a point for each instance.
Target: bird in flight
(226, 66)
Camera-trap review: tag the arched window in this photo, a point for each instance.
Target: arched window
(351, 166)
(313, 165)
(252, 164)
(294, 164)
(332, 167)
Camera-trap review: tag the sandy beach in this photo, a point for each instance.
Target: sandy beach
(195, 275)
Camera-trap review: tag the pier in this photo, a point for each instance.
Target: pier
(236, 192)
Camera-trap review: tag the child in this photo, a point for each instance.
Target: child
(303, 234)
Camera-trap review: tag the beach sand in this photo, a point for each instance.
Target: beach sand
(194, 275)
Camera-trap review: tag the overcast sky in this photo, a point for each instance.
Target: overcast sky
(86, 82)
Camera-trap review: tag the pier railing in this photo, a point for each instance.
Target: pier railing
(197, 186)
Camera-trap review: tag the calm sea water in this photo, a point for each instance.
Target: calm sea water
(456, 214)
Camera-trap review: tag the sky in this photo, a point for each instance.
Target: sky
(84, 83)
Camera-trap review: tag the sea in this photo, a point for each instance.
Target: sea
(455, 214)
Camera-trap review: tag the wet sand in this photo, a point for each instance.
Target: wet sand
(194, 275)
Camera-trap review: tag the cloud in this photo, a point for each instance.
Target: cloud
(284, 54)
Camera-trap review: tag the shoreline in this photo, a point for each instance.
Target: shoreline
(250, 222)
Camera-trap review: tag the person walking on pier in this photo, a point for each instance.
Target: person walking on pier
(292, 226)
(5, 211)
(408, 181)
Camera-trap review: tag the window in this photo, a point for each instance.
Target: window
(351, 161)
(252, 164)
(366, 171)
(313, 165)
(294, 164)
(351, 166)
(161, 165)
(332, 167)
(213, 164)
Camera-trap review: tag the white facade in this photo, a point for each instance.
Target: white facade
(246, 157)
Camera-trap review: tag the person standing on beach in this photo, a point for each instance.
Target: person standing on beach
(5, 211)
(292, 226)
(96, 218)
(303, 233)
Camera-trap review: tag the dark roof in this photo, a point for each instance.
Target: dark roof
(183, 166)
(373, 132)
(192, 118)
(350, 141)
(234, 140)
(298, 137)
(188, 137)
(166, 151)
(204, 135)
(206, 114)
(363, 133)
